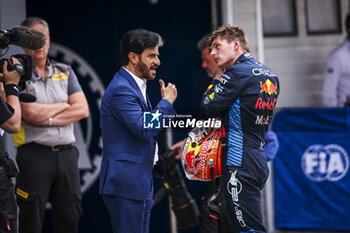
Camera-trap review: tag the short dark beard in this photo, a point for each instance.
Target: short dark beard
(143, 70)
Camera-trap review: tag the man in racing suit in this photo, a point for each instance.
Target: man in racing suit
(244, 96)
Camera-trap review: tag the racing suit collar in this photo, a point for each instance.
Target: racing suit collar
(243, 57)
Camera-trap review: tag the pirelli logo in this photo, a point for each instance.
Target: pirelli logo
(22, 193)
(60, 76)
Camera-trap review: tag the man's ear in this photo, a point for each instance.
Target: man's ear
(236, 44)
(133, 58)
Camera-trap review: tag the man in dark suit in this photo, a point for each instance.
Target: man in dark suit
(130, 151)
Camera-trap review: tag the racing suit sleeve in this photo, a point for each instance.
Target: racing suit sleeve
(220, 95)
(331, 81)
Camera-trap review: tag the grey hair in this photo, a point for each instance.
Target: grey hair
(35, 20)
(203, 43)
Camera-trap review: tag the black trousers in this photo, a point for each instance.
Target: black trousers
(8, 206)
(208, 224)
(48, 175)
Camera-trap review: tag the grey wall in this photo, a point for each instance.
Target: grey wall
(298, 60)
(12, 12)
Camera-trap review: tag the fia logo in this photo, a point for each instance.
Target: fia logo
(151, 120)
(320, 163)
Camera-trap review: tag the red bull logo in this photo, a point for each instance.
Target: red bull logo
(269, 105)
(190, 160)
(203, 155)
(268, 87)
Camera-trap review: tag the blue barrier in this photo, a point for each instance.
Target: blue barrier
(311, 177)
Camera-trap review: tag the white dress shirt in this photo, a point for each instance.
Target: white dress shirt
(143, 86)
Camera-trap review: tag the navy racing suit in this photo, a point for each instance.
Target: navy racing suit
(244, 98)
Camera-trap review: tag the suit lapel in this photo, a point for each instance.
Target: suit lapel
(133, 83)
(149, 102)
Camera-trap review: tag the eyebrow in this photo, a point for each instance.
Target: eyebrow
(214, 43)
(153, 54)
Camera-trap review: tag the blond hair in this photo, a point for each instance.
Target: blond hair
(230, 33)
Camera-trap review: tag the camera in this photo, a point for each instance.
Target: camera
(25, 67)
(183, 205)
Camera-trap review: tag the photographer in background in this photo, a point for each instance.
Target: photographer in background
(10, 121)
(46, 154)
(336, 86)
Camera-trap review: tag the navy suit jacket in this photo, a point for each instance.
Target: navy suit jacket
(128, 147)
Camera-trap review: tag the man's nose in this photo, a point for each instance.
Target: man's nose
(157, 61)
(212, 52)
(204, 65)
